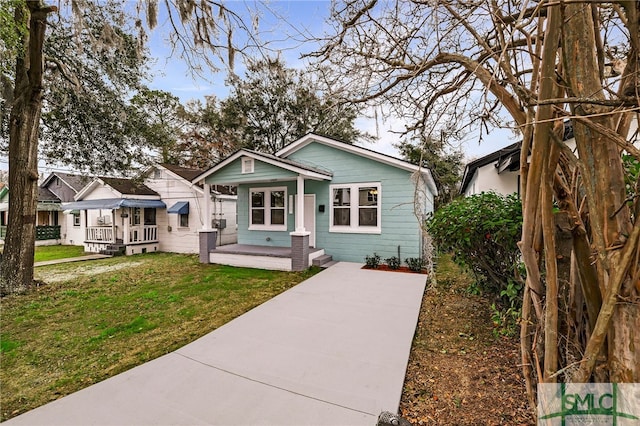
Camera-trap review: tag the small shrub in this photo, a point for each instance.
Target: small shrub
(415, 264)
(372, 261)
(393, 262)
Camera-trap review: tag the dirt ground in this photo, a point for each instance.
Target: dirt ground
(459, 373)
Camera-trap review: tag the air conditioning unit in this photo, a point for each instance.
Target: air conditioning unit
(104, 220)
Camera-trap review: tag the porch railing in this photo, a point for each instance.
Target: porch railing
(143, 234)
(100, 234)
(48, 232)
(42, 232)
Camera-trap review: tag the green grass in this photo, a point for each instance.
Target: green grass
(96, 319)
(57, 252)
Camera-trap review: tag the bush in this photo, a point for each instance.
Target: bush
(415, 264)
(372, 261)
(482, 232)
(393, 262)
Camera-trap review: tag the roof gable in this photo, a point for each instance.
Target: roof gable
(310, 138)
(182, 172)
(118, 186)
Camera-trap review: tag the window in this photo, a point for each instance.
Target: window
(268, 208)
(355, 208)
(247, 165)
(149, 216)
(183, 220)
(135, 219)
(76, 219)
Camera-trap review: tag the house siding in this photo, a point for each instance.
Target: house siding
(399, 226)
(176, 239)
(261, 172)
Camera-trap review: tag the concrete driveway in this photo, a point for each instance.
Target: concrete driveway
(331, 351)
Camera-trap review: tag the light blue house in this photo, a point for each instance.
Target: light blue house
(319, 197)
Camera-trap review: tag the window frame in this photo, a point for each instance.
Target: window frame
(186, 217)
(267, 226)
(76, 219)
(244, 161)
(354, 209)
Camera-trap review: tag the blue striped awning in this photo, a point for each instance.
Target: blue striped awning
(181, 207)
(113, 204)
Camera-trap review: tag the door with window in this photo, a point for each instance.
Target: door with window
(310, 217)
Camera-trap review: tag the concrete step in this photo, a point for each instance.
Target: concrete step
(321, 260)
(328, 264)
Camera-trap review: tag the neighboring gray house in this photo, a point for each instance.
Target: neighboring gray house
(320, 196)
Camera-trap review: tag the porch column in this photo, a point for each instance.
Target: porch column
(206, 226)
(300, 205)
(300, 237)
(207, 235)
(113, 226)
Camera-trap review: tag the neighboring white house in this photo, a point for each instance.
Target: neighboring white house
(118, 215)
(500, 170)
(179, 225)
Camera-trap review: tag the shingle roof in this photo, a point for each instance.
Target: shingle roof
(76, 182)
(128, 186)
(45, 195)
(184, 172)
(298, 164)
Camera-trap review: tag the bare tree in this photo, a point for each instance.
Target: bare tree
(203, 34)
(529, 65)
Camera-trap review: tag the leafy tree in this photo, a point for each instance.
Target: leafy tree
(475, 65)
(161, 118)
(274, 105)
(85, 57)
(445, 166)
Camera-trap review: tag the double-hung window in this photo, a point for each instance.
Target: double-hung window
(268, 207)
(355, 208)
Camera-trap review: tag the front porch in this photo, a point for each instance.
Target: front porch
(261, 257)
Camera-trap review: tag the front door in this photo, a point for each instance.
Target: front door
(310, 217)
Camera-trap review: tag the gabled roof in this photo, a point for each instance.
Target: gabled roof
(75, 182)
(504, 154)
(358, 150)
(183, 172)
(44, 195)
(125, 187)
(128, 186)
(296, 167)
(507, 158)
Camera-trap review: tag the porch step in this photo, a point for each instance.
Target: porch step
(114, 250)
(328, 264)
(322, 260)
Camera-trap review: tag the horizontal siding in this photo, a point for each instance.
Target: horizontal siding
(232, 173)
(399, 224)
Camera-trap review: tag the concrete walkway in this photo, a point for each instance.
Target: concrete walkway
(72, 259)
(331, 351)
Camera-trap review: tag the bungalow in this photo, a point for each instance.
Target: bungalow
(319, 198)
(179, 225)
(51, 225)
(64, 186)
(117, 215)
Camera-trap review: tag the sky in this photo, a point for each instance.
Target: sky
(282, 24)
(302, 16)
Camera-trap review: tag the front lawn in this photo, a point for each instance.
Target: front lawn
(96, 319)
(57, 252)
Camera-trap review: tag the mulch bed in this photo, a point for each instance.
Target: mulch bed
(400, 269)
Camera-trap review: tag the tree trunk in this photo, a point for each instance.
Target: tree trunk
(16, 269)
(610, 221)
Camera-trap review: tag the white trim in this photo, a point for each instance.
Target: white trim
(354, 149)
(354, 207)
(312, 232)
(267, 209)
(247, 165)
(274, 162)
